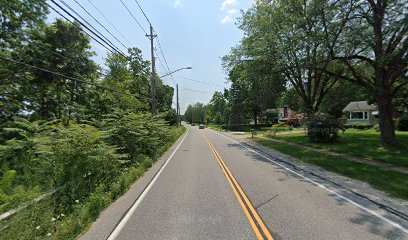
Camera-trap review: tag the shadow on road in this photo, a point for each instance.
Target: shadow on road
(374, 225)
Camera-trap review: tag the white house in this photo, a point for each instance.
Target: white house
(361, 113)
(284, 113)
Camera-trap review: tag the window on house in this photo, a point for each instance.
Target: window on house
(365, 115)
(357, 115)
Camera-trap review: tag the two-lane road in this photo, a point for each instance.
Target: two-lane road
(214, 188)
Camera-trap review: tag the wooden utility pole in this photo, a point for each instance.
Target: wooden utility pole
(178, 107)
(154, 100)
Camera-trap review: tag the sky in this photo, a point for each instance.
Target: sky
(192, 33)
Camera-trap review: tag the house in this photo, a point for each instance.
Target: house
(361, 113)
(288, 116)
(284, 113)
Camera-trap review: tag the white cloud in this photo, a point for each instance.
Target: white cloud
(177, 3)
(228, 4)
(229, 11)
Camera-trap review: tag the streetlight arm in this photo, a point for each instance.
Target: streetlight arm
(165, 75)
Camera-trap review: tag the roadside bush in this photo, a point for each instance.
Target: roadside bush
(83, 161)
(360, 126)
(147, 163)
(170, 117)
(377, 128)
(135, 135)
(322, 128)
(26, 151)
(402, 124)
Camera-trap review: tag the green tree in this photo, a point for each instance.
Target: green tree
(286, 36)
(217, 108)
(372, 48)
(17, 19)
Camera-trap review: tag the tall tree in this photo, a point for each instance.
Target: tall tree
(287, 36)
(16, 19)
(372, 48)
(218, 108)
(60, 47)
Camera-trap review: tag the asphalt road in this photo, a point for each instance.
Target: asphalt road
(215, 188)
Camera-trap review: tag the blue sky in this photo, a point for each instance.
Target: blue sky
(194, 33)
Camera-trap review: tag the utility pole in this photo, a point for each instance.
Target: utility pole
(154, 100)
(178, 107)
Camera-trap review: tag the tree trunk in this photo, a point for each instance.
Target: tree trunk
(386, 122)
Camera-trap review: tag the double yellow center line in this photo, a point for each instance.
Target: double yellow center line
(258, 226)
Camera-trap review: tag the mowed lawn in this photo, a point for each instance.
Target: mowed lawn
(393, 182)
(362, 143)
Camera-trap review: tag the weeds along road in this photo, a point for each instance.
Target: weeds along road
(214, 188)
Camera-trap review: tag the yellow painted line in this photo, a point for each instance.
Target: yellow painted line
(251, 208)
(230, 177)
(251, 221)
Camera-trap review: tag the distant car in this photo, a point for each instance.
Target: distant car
(193, 124)
(201, 126)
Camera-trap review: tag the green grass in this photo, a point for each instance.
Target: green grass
(260, 131)
(392, 182)
(362, 143)
(218, 127)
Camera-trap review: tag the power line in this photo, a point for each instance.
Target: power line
(109, 22)
(96, 30)
(165, 60)
(58, 54)
(100, 24)
(144, 14)
(192, 90)
(90, 25)
(193, 80)
(82, 24)
(68, 77)
(161, 63)
(133, 16)
(96, 40)
(161, 50)
(53, 52)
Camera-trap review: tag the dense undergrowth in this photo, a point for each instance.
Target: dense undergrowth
(83, 166)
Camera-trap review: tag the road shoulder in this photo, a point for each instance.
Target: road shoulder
(111, 216)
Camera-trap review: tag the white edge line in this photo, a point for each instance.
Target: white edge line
(125, 219)
(322, 186)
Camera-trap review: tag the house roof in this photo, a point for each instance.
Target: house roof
(359, 106)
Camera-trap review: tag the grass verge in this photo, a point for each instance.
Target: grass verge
(45, 220)
(392, 182)
(362, 143)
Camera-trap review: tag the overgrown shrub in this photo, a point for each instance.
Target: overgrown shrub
(83, 161)
(402, 124)
(135, 135)
(170, 117)
(360, 126)
(322, 128)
